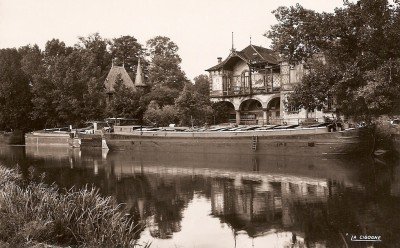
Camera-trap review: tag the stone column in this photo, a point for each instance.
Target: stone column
(237, 117)
(265, 116)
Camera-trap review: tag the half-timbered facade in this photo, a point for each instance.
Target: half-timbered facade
(255, 84)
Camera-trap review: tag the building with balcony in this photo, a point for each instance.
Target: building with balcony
(254, 83)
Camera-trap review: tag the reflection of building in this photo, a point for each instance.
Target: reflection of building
(278, 196)
(284, 196)
(245, 203)
(254, 196)
(251, 201)
(254, 83)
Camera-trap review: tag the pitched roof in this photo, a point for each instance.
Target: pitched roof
(253, 54)
(260, 54)
(112, 76)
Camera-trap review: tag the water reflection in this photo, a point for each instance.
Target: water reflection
(220, 200)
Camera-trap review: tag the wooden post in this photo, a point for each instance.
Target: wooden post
(250, 81)
(272, 80)
(265, 80)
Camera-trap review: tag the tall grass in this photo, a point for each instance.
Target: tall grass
(32, 213)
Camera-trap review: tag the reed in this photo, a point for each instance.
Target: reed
(32, 213)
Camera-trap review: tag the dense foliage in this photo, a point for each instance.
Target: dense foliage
(64, 85)
(14, 91)
(360, 62)
(36, 213)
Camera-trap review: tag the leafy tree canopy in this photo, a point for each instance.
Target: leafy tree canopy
(15, 97)
(193, 107)
(126, 51)
(64, 85)
(96, 48)
(164, 68)
(67, 83)
(360, 44)
(202, 85)
(162, 95)
(163, 116)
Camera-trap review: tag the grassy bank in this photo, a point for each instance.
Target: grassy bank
(35, 213)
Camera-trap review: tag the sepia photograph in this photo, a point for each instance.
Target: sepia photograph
(199, 124)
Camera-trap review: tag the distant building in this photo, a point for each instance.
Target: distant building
(120, 70)
(255, 83)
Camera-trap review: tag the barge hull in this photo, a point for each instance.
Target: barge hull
(12, 138)
(306, 143)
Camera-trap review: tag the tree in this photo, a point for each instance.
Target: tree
(221, 112)
(95, 100)
(69, 89)
(15, 97)
(31, 61)
(127, 51)
(315, 88)
(164, 68)
(164, 72)
(382, 89)
(359, 43)
(32, 65)
(99, 58)
(157, 116)
(45, 93)
(163, 95)
(67, 82)
(299, 34)
(95, 63)
(202, 85)
(193, 108)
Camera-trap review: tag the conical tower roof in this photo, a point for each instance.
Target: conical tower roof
(139, 80)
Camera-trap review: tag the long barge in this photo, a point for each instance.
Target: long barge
(11, 138)
(313, 141)
(39, 138)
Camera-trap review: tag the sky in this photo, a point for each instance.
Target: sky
(202, 29)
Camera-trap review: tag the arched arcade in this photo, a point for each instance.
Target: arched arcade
(261, 110)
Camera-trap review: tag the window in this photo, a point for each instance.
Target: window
(292, 109)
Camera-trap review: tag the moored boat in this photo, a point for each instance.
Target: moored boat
(11, 138)
(311, 141)
(48, 138)
(87, 137)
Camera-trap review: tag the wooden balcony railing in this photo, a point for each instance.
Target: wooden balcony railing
(240, 91)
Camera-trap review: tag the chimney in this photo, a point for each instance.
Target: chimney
(219, 60)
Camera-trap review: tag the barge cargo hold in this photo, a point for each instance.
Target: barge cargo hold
(296, 141)
(39, 138)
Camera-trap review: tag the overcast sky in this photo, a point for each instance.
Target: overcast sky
(202, 29)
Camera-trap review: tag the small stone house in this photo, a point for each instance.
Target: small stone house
(120, 70)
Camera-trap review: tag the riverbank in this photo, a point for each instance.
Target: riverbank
(35, 213)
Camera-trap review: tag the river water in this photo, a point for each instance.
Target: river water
(225, 200)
